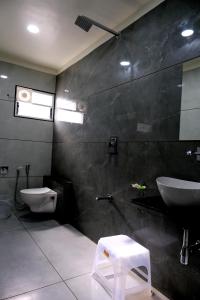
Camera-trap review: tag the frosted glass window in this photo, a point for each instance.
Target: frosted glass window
(42, 98)
(34, 111)
(35, 104)
(66, 104)
(69, 116)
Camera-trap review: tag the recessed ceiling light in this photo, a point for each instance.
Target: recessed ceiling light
(4, 76)
(125, 63)
(66, 91)
(33, 28)
(187, 32)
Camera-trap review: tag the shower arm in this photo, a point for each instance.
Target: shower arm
(117, 34)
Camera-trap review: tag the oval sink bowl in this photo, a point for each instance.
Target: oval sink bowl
(179, 193)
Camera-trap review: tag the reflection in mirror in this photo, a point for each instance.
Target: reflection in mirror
(190, 101)
(68, 111)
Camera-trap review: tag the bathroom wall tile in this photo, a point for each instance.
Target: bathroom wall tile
(101, 69)
(184, 14)
(156, 41)
(144, 109)
(21, 128)
(25, 77)
(64, 131)
(17, 153)
(15, 131)
(7, 185)
(178, 164)
(83, 161)
(86, 77)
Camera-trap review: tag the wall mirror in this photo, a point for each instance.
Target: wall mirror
(190, 101)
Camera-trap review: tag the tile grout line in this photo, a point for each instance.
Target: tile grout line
(29, 291)
(72, 292)
(65, 281)
(26, 140)
(37, 289)
(40, 248)
(46, 257)
(26, 230)
(83, 274)
(23, 176)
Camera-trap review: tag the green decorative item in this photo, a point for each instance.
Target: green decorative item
(140, 188)
(137, 186)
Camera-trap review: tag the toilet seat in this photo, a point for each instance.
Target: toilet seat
(36, 191)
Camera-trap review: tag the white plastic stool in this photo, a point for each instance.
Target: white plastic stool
(116, 257)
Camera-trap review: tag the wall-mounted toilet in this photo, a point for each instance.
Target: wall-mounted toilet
(40, 200)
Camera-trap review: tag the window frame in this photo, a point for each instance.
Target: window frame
(41, 91)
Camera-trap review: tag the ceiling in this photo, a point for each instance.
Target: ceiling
(60, 43)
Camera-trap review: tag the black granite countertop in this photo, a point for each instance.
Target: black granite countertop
(155, 203)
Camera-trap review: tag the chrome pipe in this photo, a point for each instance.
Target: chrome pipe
(184, 255)
(106, 197)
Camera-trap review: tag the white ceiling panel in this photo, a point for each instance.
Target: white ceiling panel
(60, 43)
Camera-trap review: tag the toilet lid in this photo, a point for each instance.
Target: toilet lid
(36, 191)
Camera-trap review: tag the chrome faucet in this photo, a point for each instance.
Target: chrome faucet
(189, 152)
(187, 249)
(197, 153)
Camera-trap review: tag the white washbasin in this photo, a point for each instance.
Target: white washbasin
(177, 192)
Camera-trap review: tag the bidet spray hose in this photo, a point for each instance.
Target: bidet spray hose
(16, 184)
(27, 169)
(18, 206)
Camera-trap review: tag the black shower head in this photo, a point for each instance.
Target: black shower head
(86, 23)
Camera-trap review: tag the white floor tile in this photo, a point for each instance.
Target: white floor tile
(36, 223)
(57, 291)
(87, 288)
(10, 223)
(23, 267)
(70, 252)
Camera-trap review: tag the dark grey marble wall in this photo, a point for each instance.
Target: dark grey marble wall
(139, 104)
